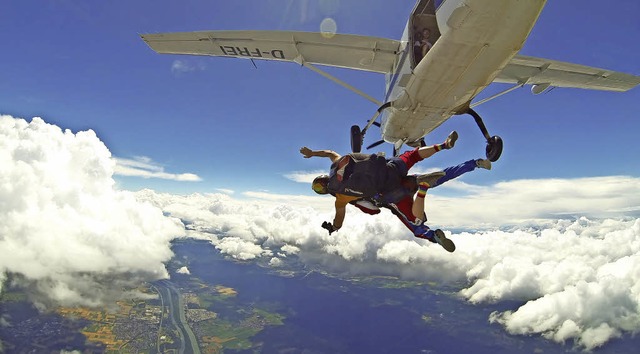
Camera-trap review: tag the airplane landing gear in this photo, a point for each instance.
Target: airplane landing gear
(357, 135)
(356, 139)
(494, 143)
(494, 148)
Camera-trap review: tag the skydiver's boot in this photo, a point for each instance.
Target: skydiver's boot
(430, 178)
(448, 144)
(451, 140)
(483, 163)
(444, 241)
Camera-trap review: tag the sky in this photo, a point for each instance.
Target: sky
(201, 124)
(109, 151)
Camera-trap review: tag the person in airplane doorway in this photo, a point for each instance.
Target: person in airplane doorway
(426, 44)
(417, 45)
(356, 177)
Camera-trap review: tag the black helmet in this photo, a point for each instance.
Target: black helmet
(320, 184)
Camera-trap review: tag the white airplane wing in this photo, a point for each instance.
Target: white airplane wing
(539, 71)
(340, 50)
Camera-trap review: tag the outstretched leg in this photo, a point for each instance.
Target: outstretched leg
(418, 203)
(403, 211)
(406, 160)
(428, 151)
(424, 183)
(457, 171)
(406, 210)
(435, 179)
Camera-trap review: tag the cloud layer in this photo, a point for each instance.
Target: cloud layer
(65, 232)
(144, 167)
(568, 250)
(577, 278)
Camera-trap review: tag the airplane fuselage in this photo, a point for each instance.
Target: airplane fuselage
(477, 39)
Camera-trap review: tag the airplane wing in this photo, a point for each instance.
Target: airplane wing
(539, 71)
(340, 50)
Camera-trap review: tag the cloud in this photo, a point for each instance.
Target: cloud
(545, 199)
(65, 232)
(304, 177)
(239, 248)
(524, 241)
(520, 201)
(144, 167)
(578, 280)
(184, 66)
(567, 250)
(275, 262)
(183, 270)
(275, 200)
(225, 191)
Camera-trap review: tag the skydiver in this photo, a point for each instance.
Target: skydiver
(359, 176)
(403, 208)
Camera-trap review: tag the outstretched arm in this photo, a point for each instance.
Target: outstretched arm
(341, 211)
(307, 153)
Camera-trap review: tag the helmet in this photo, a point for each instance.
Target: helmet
(320, 184)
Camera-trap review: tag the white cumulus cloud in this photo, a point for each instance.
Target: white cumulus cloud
(65, 232)
(183, 270)
(576, 276)
(275, 262)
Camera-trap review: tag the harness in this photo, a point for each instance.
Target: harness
(358, 175)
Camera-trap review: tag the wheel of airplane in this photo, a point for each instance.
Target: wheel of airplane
(494, 148)
(356, 139)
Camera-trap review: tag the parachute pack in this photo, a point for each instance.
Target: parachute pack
(356, 174)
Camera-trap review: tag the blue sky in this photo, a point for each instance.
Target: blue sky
(82, 65)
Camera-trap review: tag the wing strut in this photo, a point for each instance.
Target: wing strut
(300, 60)
(516, 86)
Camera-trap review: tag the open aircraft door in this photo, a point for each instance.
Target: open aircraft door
(423, 17)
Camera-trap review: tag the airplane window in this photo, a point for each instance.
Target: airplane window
(437, 3)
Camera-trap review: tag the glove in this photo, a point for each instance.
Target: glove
(329, 227)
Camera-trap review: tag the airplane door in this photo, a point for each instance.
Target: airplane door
(424, 30)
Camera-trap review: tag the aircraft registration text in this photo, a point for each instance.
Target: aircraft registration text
(254, 53)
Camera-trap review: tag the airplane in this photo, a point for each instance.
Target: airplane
(474, 43)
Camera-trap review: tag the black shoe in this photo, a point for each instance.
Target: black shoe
(444, 241)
